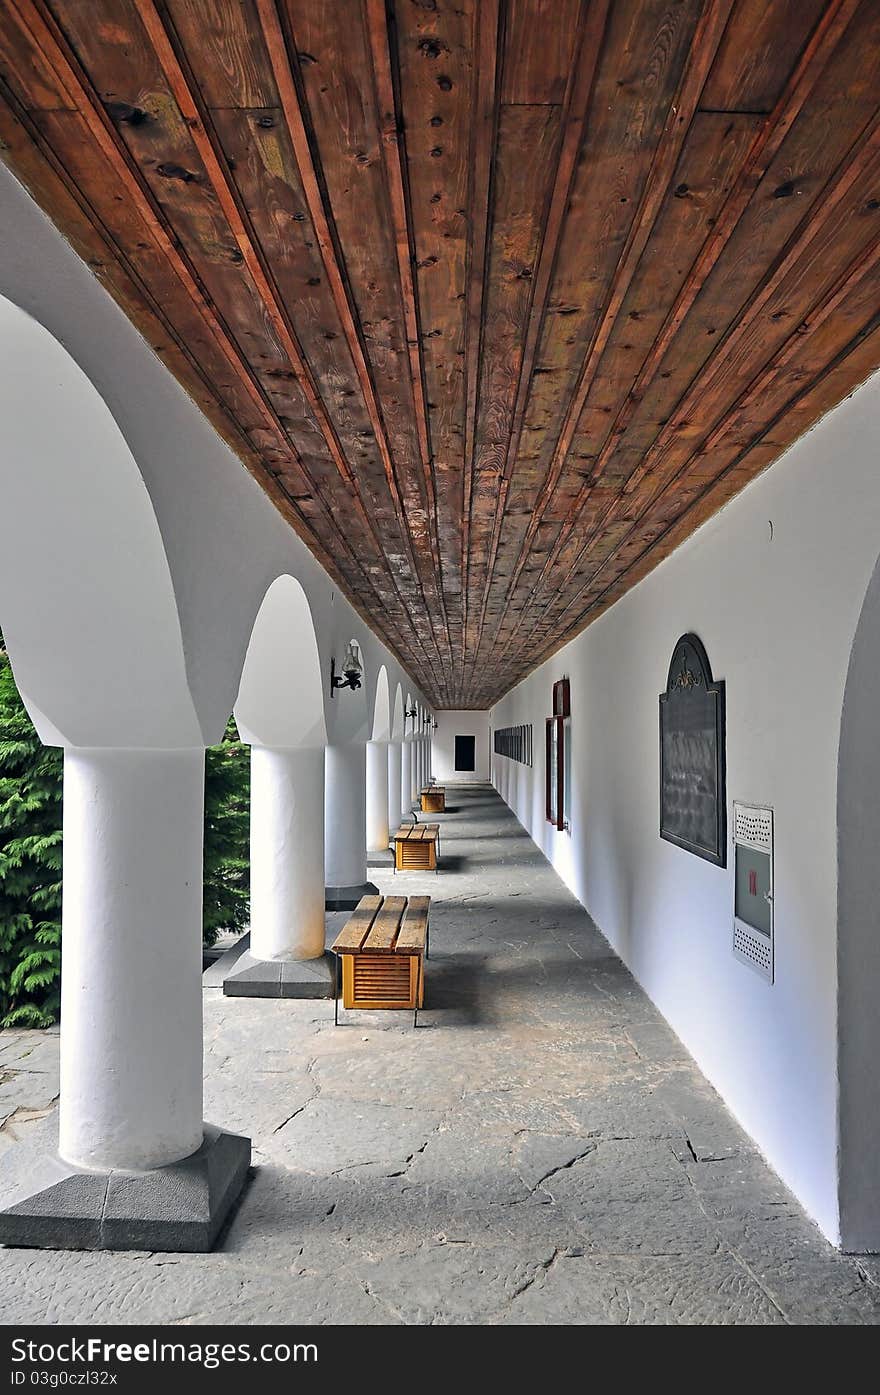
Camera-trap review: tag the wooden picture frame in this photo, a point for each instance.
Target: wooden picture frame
(693, 793)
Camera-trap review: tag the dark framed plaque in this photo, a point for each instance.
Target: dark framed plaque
(693, 796)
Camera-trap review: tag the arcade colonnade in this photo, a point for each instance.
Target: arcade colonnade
(149, 589)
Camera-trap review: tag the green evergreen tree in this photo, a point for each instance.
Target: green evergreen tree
(227, 835)
(31, 787)
(30, 865)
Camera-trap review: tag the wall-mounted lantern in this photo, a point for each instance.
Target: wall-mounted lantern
(352, 669)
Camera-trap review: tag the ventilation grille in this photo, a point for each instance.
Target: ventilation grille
(753, 826)
(415, 854)
(382, 978)
(753, 949)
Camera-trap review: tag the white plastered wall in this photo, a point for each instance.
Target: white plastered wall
(777, 609)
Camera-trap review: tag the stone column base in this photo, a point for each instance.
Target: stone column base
(345, 898)
(276, 978)
(180, 1207)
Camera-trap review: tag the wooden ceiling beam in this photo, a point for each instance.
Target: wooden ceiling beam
(579, 90)
(537, 373)
(714, 495)
(761, 384)
(34, 16)
(103, 254)
(730, 481)
(159, 29)
(862, 163)
(488, 46)
(95, 244)
(392, 140)
(293, 106)
(707, 39)
(863, 266)
(766, 144)
(43, 172)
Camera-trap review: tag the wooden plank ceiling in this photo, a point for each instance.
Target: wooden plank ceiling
(498, 299)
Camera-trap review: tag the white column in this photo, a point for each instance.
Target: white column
(131, 997)
(377, 796)
(345, 815)
(395, 806)
(406, 779)
(414, 769)
(287, 853)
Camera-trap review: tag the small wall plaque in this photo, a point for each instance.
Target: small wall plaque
(753, 888)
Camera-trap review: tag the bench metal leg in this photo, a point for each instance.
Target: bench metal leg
(427, 942)
(419, 980)
(336, 990)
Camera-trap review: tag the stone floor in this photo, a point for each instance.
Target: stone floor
(540, 1150)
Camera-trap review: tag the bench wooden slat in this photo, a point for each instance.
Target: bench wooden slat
(383, 931)
(414, 926)
(357, 927)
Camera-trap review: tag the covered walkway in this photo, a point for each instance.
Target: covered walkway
(541, 1150)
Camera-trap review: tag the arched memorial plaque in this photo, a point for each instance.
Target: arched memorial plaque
(693, 812)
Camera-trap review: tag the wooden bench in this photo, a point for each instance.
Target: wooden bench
(415, 847)
(382, 947)
(434, 799)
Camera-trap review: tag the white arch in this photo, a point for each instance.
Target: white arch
(382, 708)
(397, 720)
(88, 607)
(281, 697)
(858, 936)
